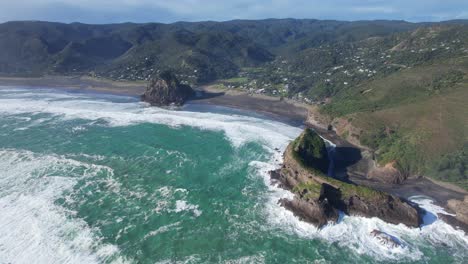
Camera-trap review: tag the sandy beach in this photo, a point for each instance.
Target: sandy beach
(78, 83)
(349, 158)
(286, 110)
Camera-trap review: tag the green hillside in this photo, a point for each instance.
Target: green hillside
(402, 86)
(199, 52)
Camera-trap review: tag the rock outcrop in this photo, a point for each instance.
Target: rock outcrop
(318, 213)
(318, 198)
(386, 239)
(460, 219)
(310, 150)
(166, 90)
(387, 174)
(460, 208)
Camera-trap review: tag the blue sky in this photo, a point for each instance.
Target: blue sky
(114, 11)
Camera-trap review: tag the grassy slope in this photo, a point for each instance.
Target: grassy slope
(309, 151)
(416, 116)
(403, 84)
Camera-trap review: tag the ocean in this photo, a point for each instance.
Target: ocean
(96, 178)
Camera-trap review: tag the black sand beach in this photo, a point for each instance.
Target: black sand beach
(349, 157)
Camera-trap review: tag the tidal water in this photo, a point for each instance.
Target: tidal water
(93, 178)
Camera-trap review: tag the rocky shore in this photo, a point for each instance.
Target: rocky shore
(352, 162)
(355, 163)
(319, 199)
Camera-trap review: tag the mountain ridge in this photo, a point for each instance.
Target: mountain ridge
(385, 71)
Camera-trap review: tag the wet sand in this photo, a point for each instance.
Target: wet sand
(77, 84)
(284, 110)
(350, 161)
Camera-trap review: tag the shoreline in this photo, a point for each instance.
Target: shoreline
(77, 84)
(354, 168)
(286, 111)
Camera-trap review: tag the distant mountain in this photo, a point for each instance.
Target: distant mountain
(201, 51)
(398, 87)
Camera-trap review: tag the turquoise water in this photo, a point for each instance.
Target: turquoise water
(90, 178)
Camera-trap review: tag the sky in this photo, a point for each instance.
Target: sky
(167, 11)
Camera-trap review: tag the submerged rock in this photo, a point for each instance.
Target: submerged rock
(166, 90)
(386, 239)
(318, 198)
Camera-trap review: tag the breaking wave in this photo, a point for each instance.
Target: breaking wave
(35, 229)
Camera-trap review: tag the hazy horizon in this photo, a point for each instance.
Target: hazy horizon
(147, 11)
(221, 21)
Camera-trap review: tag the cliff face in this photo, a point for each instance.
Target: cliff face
(318, 198)
(460, 219)
(166, 90)
(387, 173)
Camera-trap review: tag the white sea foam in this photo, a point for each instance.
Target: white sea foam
(163, 229)
(32, 228)
(238, 129)
(354, 232)
(351, 232)
(182, 206)
(172, 200)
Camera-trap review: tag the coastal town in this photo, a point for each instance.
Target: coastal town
(315, 74)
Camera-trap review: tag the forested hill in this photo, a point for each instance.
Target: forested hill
(400, 88)
(204, 51)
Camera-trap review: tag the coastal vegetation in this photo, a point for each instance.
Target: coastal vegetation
(318, 197)
(310, 151)
(403, 86)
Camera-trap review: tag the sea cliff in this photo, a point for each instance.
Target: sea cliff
(166, 90)
(319, 199)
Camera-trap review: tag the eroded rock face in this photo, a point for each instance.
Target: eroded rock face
(318, 198)
(166, 90)
(460, 208)
(387, 174)
(389, 208)
(318, 213)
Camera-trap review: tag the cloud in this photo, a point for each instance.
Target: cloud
(374, 9)
(111, 11)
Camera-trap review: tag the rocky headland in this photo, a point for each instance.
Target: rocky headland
(460, 217)
(166, 90)
(319, 198)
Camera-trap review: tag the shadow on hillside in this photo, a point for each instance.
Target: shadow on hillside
(345, 157)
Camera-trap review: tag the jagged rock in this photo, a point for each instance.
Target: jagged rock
(312, 188)
(333, 195)
(318, 213)
(460, 208)
(167, 90)
(389, 208)
(453, 221)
